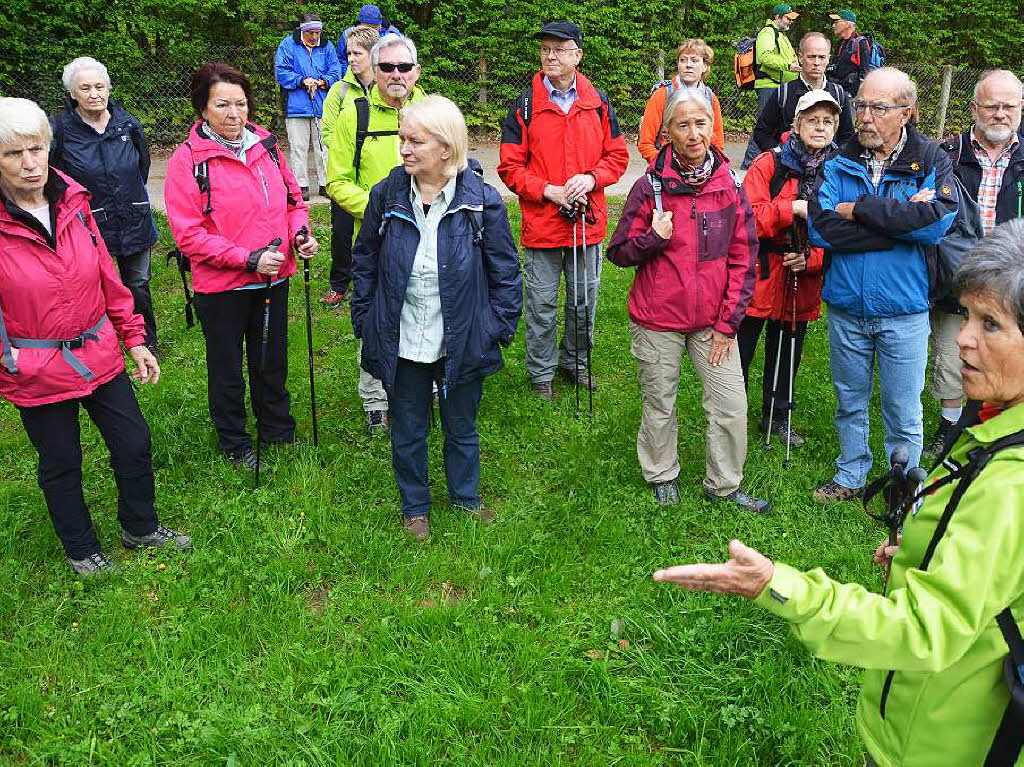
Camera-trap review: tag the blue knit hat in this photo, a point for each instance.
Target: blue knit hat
(370, 14)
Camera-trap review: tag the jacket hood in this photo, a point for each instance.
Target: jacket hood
(910, 161)
(118, 114)
(469, 186)
(204, 148)
(61, 189)
(672, 183)
(297, 39)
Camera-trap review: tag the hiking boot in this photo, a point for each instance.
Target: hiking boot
(376, 422)
(323, 191)
(666, 493)
(743, 500)
(480, 513)
(783, 432)
(417, 527)
(833, 492)
(543, 389)
(938, 441)
(333, 298)
(305, 193)
(584, 378)
(92, 565)
(243, 460)
(156, 539)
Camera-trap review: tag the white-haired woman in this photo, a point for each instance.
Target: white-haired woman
(62, 312)
(437, 289)
(103, 147)
(693, 242)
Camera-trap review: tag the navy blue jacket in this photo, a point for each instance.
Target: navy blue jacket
(878, 266)
(114, 167)
(479, 281)
(1010, 200)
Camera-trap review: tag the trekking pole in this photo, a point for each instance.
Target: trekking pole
(575, 309)
(775, 378)
(586, 310)
(792, 359)
(316, 124)
(894, 501)
(263, 365)
(300, 237)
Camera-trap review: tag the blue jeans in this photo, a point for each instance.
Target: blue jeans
(900, 344)
(411, 402)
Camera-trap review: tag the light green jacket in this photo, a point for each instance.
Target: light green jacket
(774, 60)
(352, 89)
(380, 154)
(936, 628)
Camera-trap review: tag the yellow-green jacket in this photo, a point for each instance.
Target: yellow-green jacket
(773, 60)
(379, 156)
(334, 101)
(935, 629)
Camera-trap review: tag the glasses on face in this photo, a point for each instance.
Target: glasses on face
(819, 122)
(404, 67)
(994, 109)
(876, 110)
(546, 51)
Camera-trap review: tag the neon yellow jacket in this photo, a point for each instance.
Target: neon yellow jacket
(379, 156)
(773, 60)
(936, 629)
(334, 101)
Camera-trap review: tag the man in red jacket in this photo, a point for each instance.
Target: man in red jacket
(560, 147)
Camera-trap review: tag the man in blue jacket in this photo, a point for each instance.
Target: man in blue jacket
(306, 68)
(885, 196)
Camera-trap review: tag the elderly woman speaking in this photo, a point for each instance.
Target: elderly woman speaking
(62, 311)
(936, 643)
(690, 233)
(437, 289)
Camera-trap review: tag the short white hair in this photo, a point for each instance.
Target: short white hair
(386, 42)
(77, 65)
(1003, 74)
(685, 95)
(906, 89)
(23, 119)
(443, 120)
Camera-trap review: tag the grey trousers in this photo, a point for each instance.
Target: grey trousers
(543, 269)
(302, 132)
(371, 390)
(945, 356)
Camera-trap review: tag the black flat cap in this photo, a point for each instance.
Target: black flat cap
(564, 30)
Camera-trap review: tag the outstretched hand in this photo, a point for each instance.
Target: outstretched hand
(746, 573)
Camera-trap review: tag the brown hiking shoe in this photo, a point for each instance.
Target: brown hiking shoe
(417, 527)
(833, 492)
(480, 513)
(584, 378)
(543, 389)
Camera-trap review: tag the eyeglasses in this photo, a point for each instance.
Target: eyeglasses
(877, 110)
(992, 109)
(404, 67)
(545, 51)
(819, 122)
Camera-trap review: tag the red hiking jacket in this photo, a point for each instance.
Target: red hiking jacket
(554, 147)
(772, 298)
(703, 276)
(253, 203)
(59, 292)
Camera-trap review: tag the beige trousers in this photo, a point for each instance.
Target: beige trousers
(658, 357)
(945, 380)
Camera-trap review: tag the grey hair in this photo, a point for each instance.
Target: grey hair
(997, 73)
(812, 36)
(681, 96)
(996, 267)
(906, 90)
(386, 42)
(77, 65)
(23, 119)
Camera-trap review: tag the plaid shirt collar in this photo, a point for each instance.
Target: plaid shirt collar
(982, 153)
(877, 168)
(992, 172)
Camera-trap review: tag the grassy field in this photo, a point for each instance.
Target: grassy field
(305, 628)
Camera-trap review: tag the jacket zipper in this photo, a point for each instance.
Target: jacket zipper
(1020, 199)
(885, 692)
(266, 191)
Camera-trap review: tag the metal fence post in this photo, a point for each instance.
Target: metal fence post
(947, 82)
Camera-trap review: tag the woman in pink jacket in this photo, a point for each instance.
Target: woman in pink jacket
(230, 198)
(689, 231)
(63, 310)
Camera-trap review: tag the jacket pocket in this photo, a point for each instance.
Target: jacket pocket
(641, 346)
(885, 693)
(714, 233)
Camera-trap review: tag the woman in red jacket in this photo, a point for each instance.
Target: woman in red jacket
(63, 309)
(690, 233)
(229, 197)
(777, 185)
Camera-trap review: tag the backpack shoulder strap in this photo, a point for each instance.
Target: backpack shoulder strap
(362, 107)
(201, 172)
(779, 175)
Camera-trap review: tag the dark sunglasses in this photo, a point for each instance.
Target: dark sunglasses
(404, 67)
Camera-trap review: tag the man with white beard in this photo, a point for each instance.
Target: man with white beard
(988, 158)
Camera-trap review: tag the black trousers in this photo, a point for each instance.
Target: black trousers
(747, 338)
(228, 319)
(342, 227)
(54, 432)
(136, 272)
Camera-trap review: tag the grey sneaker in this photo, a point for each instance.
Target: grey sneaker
(543, 389)
(783, 432)
(376, 422)
(743, 500)
(833, 492)
(92, 565)
(666, 493)
(243, 460)
(156, 539)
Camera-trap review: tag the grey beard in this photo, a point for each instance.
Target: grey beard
(998, 134)
(873, 141)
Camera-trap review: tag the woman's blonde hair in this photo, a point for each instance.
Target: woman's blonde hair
(443, 120)
(364, 37)
(699, 47)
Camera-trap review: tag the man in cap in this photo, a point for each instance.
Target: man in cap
(886, 196)
(560, 147)
(775, 62)
(369, 16)
(853, 56)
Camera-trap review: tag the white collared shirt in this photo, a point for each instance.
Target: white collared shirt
(421, 336)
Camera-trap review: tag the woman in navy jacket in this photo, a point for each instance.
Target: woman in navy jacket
(102, 147)
(436, 290)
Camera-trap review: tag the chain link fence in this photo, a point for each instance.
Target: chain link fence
(155, 87)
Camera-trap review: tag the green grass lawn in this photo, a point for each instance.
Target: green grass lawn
(305, 628)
